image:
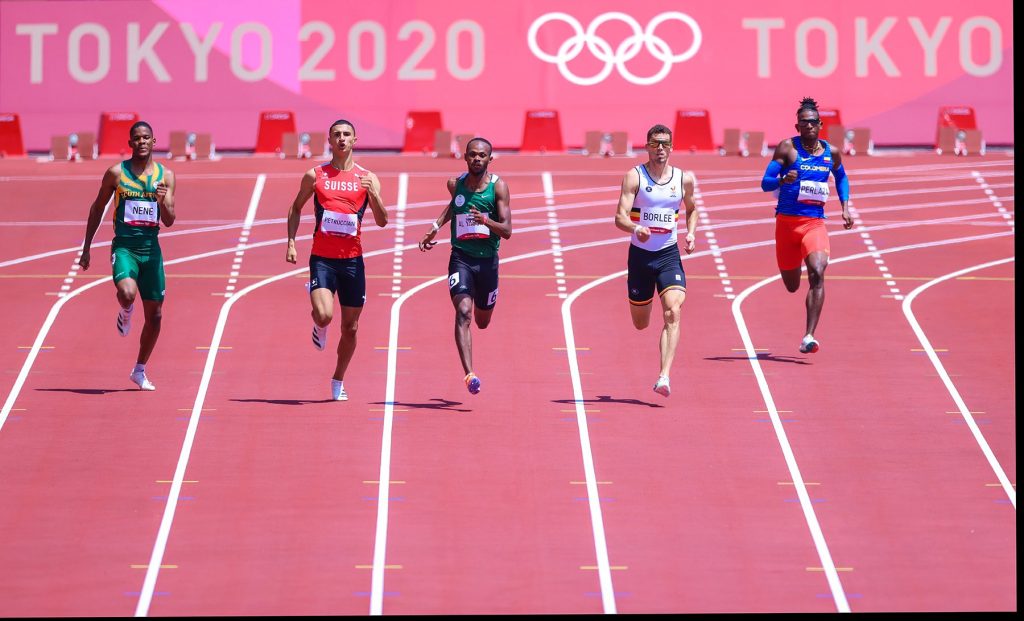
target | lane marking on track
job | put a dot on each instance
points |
(817, 535)
(1011, 493)
(890, 281)
(243, 236)
(709, 234)
(400, 207)
(996, 202)
(554, 234)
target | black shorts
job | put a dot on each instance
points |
(346, 277)
(476, 277)
(647, 269)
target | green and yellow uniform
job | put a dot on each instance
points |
(135, 251)
(475, 240)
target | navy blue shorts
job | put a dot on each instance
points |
(345, 277)
(476, 277)
(649, 269)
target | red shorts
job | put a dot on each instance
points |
(796, 237)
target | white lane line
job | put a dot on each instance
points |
(554, 233)
(869, 243)
(713, 247)
(838, 595)
(74, 263)
(243, 236)
(996, 201)
(396, 268)
(953, 392)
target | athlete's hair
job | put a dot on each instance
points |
(658, 129)
(341, 122)
(490, 148)
(807, 104)
(139, 124)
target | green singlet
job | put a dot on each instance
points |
(474, 239)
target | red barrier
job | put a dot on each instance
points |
(114, 127)
(10, 135)
(828, 116)
(419, 131)
(693, 130)
(542, 131)
(957, 117)
(273, 125)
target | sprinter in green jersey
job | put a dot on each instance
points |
(143, 193)
(481, 218)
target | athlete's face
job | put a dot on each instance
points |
(808, 124)
(659, 147)
(478, 156)
(141, 141)
(342, 138)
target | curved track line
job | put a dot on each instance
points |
(953, 392)
(838, 595)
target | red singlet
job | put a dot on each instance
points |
(340, 203)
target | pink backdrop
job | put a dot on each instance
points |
(211, 66)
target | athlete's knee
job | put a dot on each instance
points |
(672, 315)
(482, 321)
(816, 277)
(349, 328)
(463, 315)
(322, 316)
(126, 295)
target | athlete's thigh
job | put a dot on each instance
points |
(815, 241)
(461, 279)
(152, 282)
(670, 275)
(350, 314)
(485, 284)
(788, 253)
(641, 279)
(352, 283)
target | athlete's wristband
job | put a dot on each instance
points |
(434, 227)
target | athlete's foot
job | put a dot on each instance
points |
(473, 383)
(808, 345)
(661, 386)
(140, 379)
(319, 337)
(338, 390)
(124, 320)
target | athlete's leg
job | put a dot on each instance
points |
(791, 278)
(127, 291)
(816, 264)
(482, 316)
(151, 329)
(323, 306)
(347, 344)
(463, 304)
(641, 315)
(671, 304)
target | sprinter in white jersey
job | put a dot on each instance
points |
(649, 210)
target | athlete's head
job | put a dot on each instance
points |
(478, 155)
(808, 121)
(341, 136)
(659, 143)
(140, 139)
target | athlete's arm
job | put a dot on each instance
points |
(784, 156)
(691, 212)
(503, 224)
(428, 239)
(107, 187)
(842, 187)
(295, 213)
(630, 186)
(165, 198)
(372, 185)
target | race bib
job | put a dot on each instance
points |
(659, 220)
(339, 224)
(140, 213)
(813, 192)
(465, 229)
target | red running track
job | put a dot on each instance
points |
(238, 488)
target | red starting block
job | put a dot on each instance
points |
(420, 128)
(10, 135)
(114, 127)
(693, 130)
(957, 131)
(273, 125)
(542, 131)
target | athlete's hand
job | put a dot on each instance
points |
(85, 259)
(161, 192)
(847, 220)
(291, 255)
(428, 241)
(691, 243)
(477, 217)
(790, 177)
(642, 233)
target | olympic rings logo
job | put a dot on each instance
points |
(602, 50)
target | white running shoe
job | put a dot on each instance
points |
(319, 337)
(661, 386)
(809, 345)
(139, 378)
(338, 391)
(124, 320)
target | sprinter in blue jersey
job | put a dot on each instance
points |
(799, 173)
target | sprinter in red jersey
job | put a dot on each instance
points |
(341, 191)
